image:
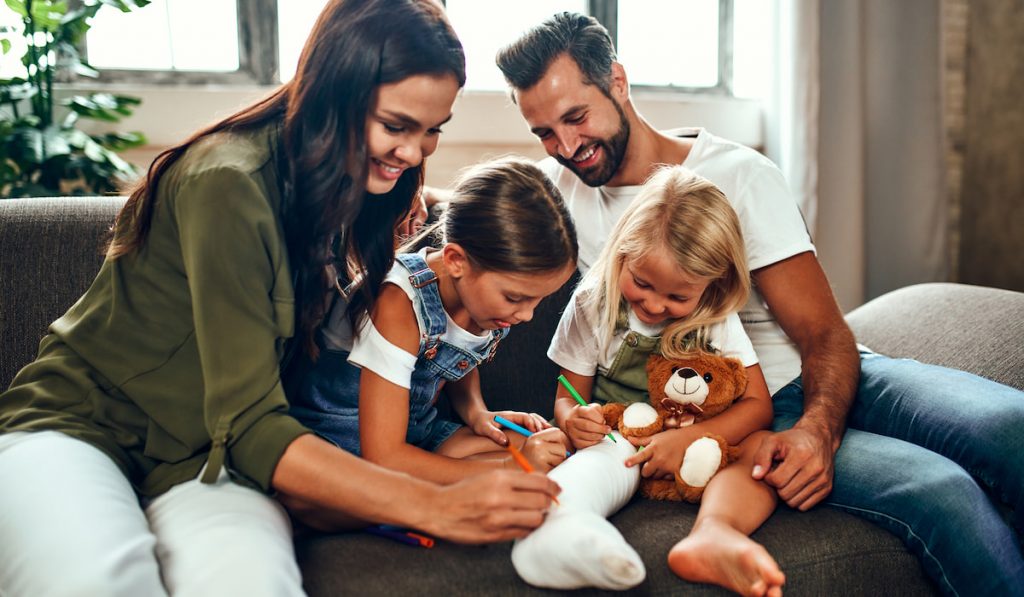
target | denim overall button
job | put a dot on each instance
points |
(462, 364)
(631, 339)
(431, 352)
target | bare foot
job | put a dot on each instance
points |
(719, 554)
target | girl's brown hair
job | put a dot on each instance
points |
(508, 217)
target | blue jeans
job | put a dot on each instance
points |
(928, 454)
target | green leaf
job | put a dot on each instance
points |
(77, 138)
(121, 141)
(30, 142)
(17, 6)
(55, 142)
(125, 5)
(47, 14)
(5, 46)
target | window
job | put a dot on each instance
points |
(666, 44)
(166, 35)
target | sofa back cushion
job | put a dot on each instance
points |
(50, 251)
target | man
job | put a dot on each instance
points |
(902, 462)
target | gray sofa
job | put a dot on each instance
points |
(49, 252)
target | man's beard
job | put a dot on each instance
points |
(613, 148)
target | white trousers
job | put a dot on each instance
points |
(71, 524)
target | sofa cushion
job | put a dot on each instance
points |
(50, 251)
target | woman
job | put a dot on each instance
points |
(139, 449)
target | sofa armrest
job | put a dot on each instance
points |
(971, 328)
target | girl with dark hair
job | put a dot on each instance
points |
(506, 242)
(141, 448)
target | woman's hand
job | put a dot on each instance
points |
(585, 425)
(495, 506)
(482, 423)
(662, 453)
(546, 449)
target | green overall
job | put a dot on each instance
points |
(626, 380)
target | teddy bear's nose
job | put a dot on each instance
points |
(686, 373)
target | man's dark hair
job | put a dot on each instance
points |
(524, 61)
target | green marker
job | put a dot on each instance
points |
(572, 391)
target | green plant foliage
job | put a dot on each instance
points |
(40, 155)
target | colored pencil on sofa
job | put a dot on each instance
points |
(400, 536)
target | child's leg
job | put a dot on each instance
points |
(719, 549)
(576, 546)
(466, 444)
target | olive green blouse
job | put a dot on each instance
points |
(170, 361)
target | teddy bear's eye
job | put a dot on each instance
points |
(707, 377)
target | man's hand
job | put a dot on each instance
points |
(496, 506)
(798, 463)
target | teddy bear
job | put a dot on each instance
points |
(683, 392)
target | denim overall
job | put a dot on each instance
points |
(328, 398)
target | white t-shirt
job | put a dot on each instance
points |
(581, 347)
(372, 351)
(773, 228)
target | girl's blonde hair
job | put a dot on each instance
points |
(688, 218)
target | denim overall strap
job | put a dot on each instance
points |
(434, 322)
(430, 309)
(626, 379)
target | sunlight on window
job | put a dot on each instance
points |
(753, 58)
(295, 20)
(485, 27)
(194, 35)
(667, 42)
(11, 29)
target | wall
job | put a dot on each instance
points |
(485, 124)
(991, 219)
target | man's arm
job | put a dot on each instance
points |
(799, 296)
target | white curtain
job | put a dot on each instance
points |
(791, 103)
(853, 119)
(882, 220)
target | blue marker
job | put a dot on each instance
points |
(500, 420)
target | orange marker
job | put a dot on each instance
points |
(523, 463)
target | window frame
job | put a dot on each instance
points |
(257, 55)
(258, 52)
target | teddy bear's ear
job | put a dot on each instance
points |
(739, 375)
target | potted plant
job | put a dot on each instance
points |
(42, 150)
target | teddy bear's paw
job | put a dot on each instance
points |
(640, 420)
(702, 460)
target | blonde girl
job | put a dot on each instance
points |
(506, 242)
(671, 279)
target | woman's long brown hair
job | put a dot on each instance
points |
(321, 157)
